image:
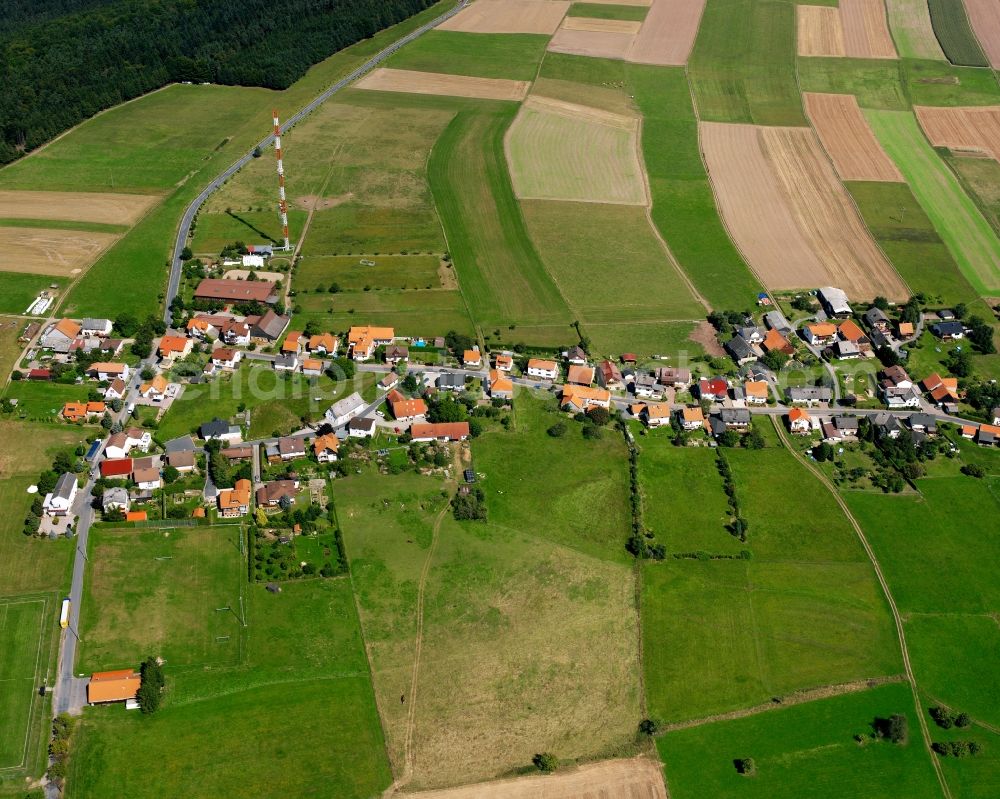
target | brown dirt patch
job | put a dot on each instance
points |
(985, 18)
(50, 252)
(790, 214)
(602, 25)
(310, 202)
(866, 29)
(844, 131)
(820, 32)
(447, 276)
(704, 334)
(413, 82)
(509, 16)
(591, 43)
(975, 129)
(668, 33)
(639, 778)
(75, 206)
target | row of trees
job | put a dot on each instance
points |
(66, 61)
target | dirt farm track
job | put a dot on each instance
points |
(638, 778)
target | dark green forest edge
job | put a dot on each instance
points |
(57, 72)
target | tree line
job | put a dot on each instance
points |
(61, 64)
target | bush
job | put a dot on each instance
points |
(591, 431)
(151, 688)
(650, 726)
(745, 766)
(974, 470)
(545, 762)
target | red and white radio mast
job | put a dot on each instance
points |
(282, 204)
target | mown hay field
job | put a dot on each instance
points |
(910, 23)
(668, 33)
(562, 151)
(116, 209)
(61, 253)
(966, 129)
(415, 82)
(591, 43)
(514, 56)
(848, 139)
(509, 16)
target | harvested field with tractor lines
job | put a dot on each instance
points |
(984, 15)
(599, 25)
(844, 132)
(561, 151)
(410, 81)
(668, 33)
(75, 206)
(810, 233)
(820, 32)
(969, 129)
(857, 29)
(43, 251)
(594, 44)
(910, 23)
(508, 16)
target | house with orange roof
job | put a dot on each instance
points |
(325, 448)
(113, 686)
(580, 375)
(235, 501)
(172, 347)
(323, 344)
(472, 359)
(542, 369)
(756, 392)
(500, 386)
(969, 431)
(103, 370)
(201, 328)
(581, 398)
(226, 357)
(774, 341)
(799, 421)
(988, 435)
(819, 334)
(439, 431)
(154, 389)
(504, 363)
(364, 340)
(692, 418)
(74, 411)
(61, 335)
(312, 367)
(906, 329)
(848, 330)
(292, 341)
(655, 414)
(408, 410)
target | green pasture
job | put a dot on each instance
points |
(877, 82)
(647, 338)
(972, 241)
(215, 231)
(954, 32)
(42, 401)
(605, 11)
(481, 55)
(23, 625)
(911, 28)
(19, 289)
(980, 177)
(804, 750)
(347, 271)
(941, 83)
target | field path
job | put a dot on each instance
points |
(900, 633)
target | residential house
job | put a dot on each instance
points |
(751, 334)
(775, 320)
(741, 350)
(389, 382)
(655, 414)
(364, 340)
(173, 347)
(906, 329)
(849, 331)
(113, 686)
(775, 341)
(323, 344)
(235, 501)
(715, 388)
(103, 370)
(756, 392)
(886, 425)
(363, 427)
(876, 319)
(500, 386)
(61, 335)
(969, 431)
(120, 444)
(217, 429)
(576, 356)
(286, 362)
(312, 367)
(396, 353)
(109, 347)
(236, 290)
(115, 498)
(116, 390)
(846, 350)
(847, 426)
(114, 468)
(59, 501)
(896, 376)
(922, 423)
(834, 302)
(183, 461)
(737, 419)
(147, 479)
(292, 342)
(504, 362)
(609, 376)
(290, 448)
(95, 327)
(581, 398)
(898, 397)
(808, 395)
(342, 411)
(629, 358)
(948, 331)
(325, 448)
(155, 389)
(201, 328)
(673, 376)
(242, 453)
(79, 411)
(580, 375)
(692, 418)
(270, 494)
(450, 381)
(799, 421)
(472, 359)
(226, 358)
(268, 327)
(988, 435)
(441, 431)
(831, 435)
(235, 333)
(820, 334)
(646, 386)
(408, 410)
(542, 369)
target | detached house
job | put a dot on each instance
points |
(101, 328)
(270, 494)
(441, 431)
(741, 350)
(580, 375)
(235, 501)
(172, 347)
(808, 395)
(900, 397)
(500, 386)
(220, 430)
(756, 392)
(580, 398)
(504, 362)
(396, 353)
(109, 371)
(737, 419)
(542, 369)
(948, 331)
(323, 344)
(342, 411)
(363, 341)
(609, 376)
(655, 414)
(716, 388)
(226, 358)
(799, 421)
(876, 319)
(692, 418)
(774, 341)
(59, 502)
(673, 376)
(154, 390)
(409, 410)
(472, 359)
(116, 390)
(576, 356)
(325, 448)
(819, 334)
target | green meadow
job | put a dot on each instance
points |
(481, 55)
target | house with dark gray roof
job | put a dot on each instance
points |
(808, 395)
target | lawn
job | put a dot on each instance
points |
(19, 289)
(907, 236)
(42, 401)
(743, 64)
(645, 338)
(510, 620)
(954, 32)
(972, 241)
(805, 750)
(501, 274)
(159, 592)
(482, 55)
(23, 625)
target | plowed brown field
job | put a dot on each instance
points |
(789, 213)
(639, 778)
(50, 252)
(668, 33)
(590, 43)
(509, 16)
(848, 139)
(985, 18)
(75, 206)
(866, 29)
(819, 31)
(975, 129)
(413, 82)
